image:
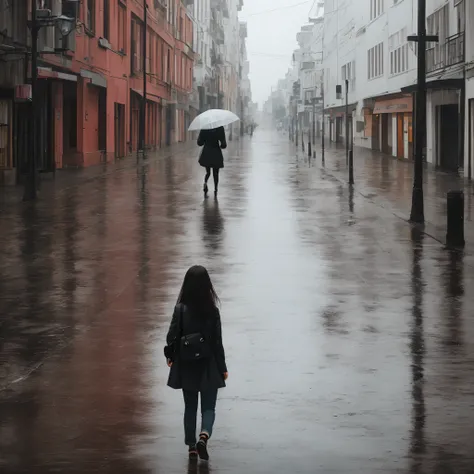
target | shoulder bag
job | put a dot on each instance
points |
(195, 346)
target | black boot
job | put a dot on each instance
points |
(202, 447)
(193, 454)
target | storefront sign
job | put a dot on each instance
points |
(400, 105)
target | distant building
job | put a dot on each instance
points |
(365, 45)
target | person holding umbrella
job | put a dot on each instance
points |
(214, 142)
(212, 138)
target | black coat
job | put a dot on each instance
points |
(201, 374)
(213, 141)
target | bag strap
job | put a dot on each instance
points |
(180, 321)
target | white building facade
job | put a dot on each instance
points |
(209, 38)
(365, 50)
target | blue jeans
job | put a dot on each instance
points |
(208, 413)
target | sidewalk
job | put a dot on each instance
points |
(388, 182)
(52, 186)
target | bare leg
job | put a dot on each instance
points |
(215, 174)
(206, 179)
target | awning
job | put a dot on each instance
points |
(96, 79)
(437, 84)
(47, 73)
(341, 109)
(149, 96)
(390, 106)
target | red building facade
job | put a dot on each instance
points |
(109, 64)
(91, 92)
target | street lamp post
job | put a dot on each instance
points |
(347, 121)
(65, 25)
(31, 183)
(323, 124)
(296, 124)
(314, 126)
(417, 206)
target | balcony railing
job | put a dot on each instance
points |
(217, 32)
(447, 54)
(220, 5)
(216, 59)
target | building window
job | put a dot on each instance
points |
(106, 14)
(375, 61)
(460, 15)
(398, 46)
(437, 24)
(348, 72)
(307, 65)
(122, 27)
(376, 8)
(183, 72)
(135, 46)
(90, 15)
(166, 64)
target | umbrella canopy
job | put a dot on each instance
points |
(213, 118)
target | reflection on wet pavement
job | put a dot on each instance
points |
(349, 335)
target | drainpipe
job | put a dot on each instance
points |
(142, 139)
(31, 182)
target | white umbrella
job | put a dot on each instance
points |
(213, 118)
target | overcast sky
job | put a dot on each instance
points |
(272, 40)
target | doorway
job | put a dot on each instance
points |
(168, 126)
(6, 134)
(400, 136)
(102, 128)
(119, 130)
(69, 122)
(375, 132)
(387, 134)
(135, 107)
(448, 133)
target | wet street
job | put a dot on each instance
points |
(349, 335)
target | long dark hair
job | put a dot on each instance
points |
(197, 292)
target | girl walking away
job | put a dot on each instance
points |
(211, 157)
(195, 353)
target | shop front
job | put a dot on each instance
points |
(392, 130)
(337, 122)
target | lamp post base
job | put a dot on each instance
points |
(417, 215)
(31, 191)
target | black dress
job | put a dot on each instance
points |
(204, 374)
(213, 142)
